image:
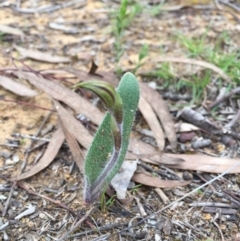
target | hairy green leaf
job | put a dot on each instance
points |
(110, 144)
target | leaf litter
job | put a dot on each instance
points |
(167, 164)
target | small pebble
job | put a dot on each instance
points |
(42, 216)
(157, 237)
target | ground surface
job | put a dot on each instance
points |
(88, 35)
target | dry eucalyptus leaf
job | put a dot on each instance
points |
(205, 163)
(10, 30)
(61, 93)
(74, 147)
(75, 127)
(41, 56)
(49, 155)
(157, 182)
(16, 87)
(153, 122)
(148, 153)
(161, 109)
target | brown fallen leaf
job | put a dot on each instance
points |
(74, 147)
(161, 109)
(10, 30)
(41, 56)
(74, 127)
(16, 87)
(157, 182)
(205, 163)
(61, 93)
(147, 153)
(49, 155)
(152, 121)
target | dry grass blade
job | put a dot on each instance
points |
(74, 147)
(153, 122)
(161, 109)
(49, 155)
(205, 163)
(69, 97)
(156, 182)
(74, 126)
(16, 87)
(195, 62)
(40, 56)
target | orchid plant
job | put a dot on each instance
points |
(108, 149)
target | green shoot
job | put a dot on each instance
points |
(197, 84)
(142, 54)
(108, 149)
(122, 18)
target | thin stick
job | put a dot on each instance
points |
(76, 225)
(225, 97)
(32, 141)
(233, 121)
(183, 197)
(8, 200)
(200, 187)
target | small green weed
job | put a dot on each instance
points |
(195, 47)
(163, 73)
(135, 188)
(104, 205)
(197, 84)
(156, 10)
(1, 36)
(121, 20)
(142, 54)
(227, 61)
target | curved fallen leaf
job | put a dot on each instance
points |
(205, 163)
(16, 87)
(157, 182)
(49, 155)
(161, 109)
(153, 122)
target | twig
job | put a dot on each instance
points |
(8, 200)
(219, 229)
(32, 141)
(47, 8)
(162, 195)
(76, 225)
(34, 138)
(23, 186)
(104, 228)
(140, 207)
(229, 4)
(225, 97)
(233, 121)
(212, 204)
(183, 197)
(200, 187)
